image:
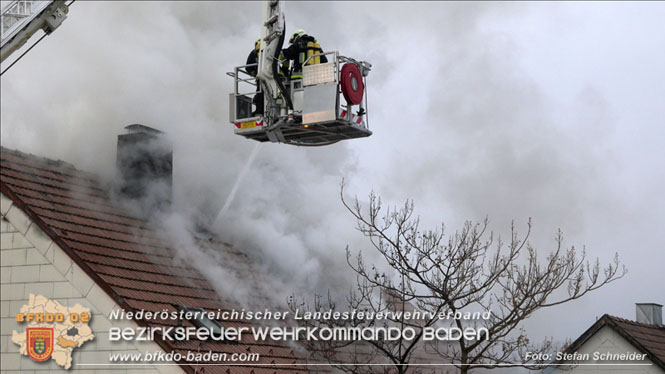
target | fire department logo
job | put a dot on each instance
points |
(40, 343)
(53, 330)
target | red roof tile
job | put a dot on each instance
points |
(650, 338)
(124, 255)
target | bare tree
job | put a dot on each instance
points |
(453, 275)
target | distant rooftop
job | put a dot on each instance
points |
(649, 339)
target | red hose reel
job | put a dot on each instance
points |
(352, 84)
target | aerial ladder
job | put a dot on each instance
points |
(22, 18)
(316, 110)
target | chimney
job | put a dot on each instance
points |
(145, 167)
(649, 313)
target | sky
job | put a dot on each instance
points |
(541, 110)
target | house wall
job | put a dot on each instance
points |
(32, 263)
(608, 340)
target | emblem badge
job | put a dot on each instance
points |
(40, 343)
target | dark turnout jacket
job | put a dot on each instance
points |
(253, 58)
(297, 52)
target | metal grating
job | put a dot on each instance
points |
(318, 74)
(17, 11)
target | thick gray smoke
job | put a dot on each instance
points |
(479, 109)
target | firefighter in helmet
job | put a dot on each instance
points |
(302, 46)
(252, 59)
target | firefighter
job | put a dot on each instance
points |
(253, 58)
(301, 46)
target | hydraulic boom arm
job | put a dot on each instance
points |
(272, 39)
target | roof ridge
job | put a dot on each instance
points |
(635, 323)
(49, 161)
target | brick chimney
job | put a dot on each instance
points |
(145, 167)
(649, 313)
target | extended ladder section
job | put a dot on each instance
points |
(21, 19)
(329, 104)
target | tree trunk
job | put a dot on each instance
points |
(464, 369)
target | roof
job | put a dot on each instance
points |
(128, 258)
(649, 339)
(142, 128)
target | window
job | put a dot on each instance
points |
(200, 319)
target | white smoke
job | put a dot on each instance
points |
(505, 110)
